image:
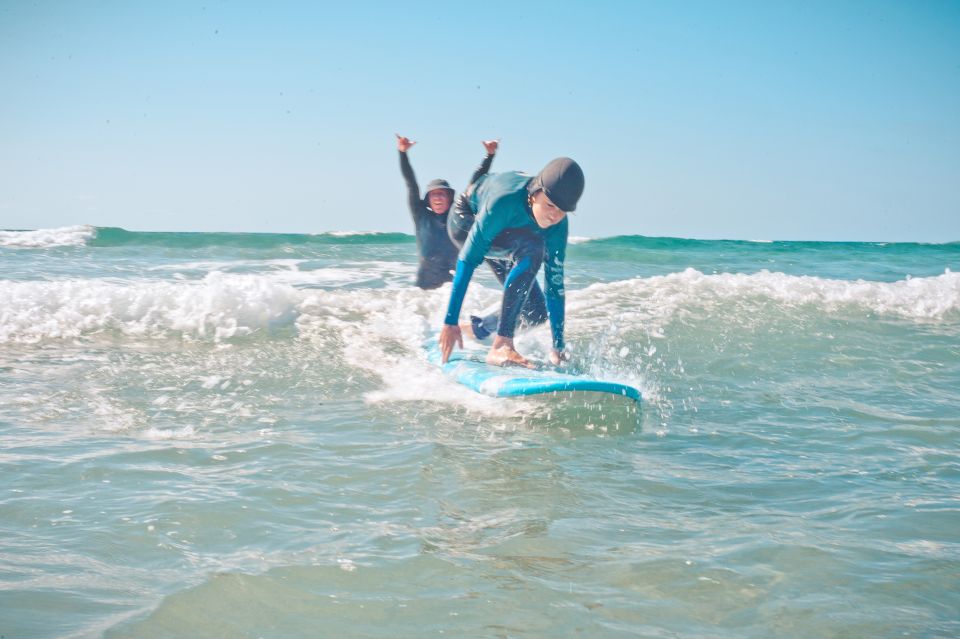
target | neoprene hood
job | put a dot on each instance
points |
(438, 184)
(562, 180)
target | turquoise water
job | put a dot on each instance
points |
(237, 435)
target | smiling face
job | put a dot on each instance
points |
(545, 212)
(439, 201)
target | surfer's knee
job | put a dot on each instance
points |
(483, 327)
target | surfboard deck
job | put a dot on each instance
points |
(470, 369)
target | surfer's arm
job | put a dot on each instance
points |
(461, 280)
(554, 289)
(484, 168)
(487, 225)
(450, 334)
(414, 201)
(475, 247)
(556, 307)
(471, 255)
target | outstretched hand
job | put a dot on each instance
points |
(403, 143)
(491, 146)
(450, 335)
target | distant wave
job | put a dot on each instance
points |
(356, 233)
(121, 237)
(654, 241)
(48, 238)
(87, 235)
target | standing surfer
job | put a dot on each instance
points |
(437, 254)
(522, 223)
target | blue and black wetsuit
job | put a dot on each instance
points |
(492, 221)
(437, 254)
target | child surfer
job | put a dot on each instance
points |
(522, 223)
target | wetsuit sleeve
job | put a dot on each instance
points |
(414, 201)
(555, 292)
(461, 280)
(483, 169)
(486, 227)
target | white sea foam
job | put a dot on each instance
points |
(218, 307)
(48, 238)
(226, 305)
(919, 298)
(295, 272)
(354, 233)
(382, 332)
(231, 265)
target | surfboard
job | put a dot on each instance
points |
(470, 369)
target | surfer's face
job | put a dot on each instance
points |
(439, 200)
(545, 212)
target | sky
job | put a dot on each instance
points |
(822, 120)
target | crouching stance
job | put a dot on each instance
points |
(520, 224)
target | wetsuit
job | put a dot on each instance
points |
(436, 253)
(493, 221)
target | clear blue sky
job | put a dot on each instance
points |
(747, 120)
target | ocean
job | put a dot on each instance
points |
(239, 435)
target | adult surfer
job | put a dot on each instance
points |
(521, 222)
(437, 254)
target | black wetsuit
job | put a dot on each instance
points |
(437, 254)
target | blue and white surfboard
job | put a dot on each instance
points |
(470, 369)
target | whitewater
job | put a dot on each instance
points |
(230, 434)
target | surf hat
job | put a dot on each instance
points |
(562, 180)
(438, 184)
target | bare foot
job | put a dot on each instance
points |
(467, 329)
(502, 353)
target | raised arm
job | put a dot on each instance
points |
(413, 191)
(491, 147)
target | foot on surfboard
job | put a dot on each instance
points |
(507, 356)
